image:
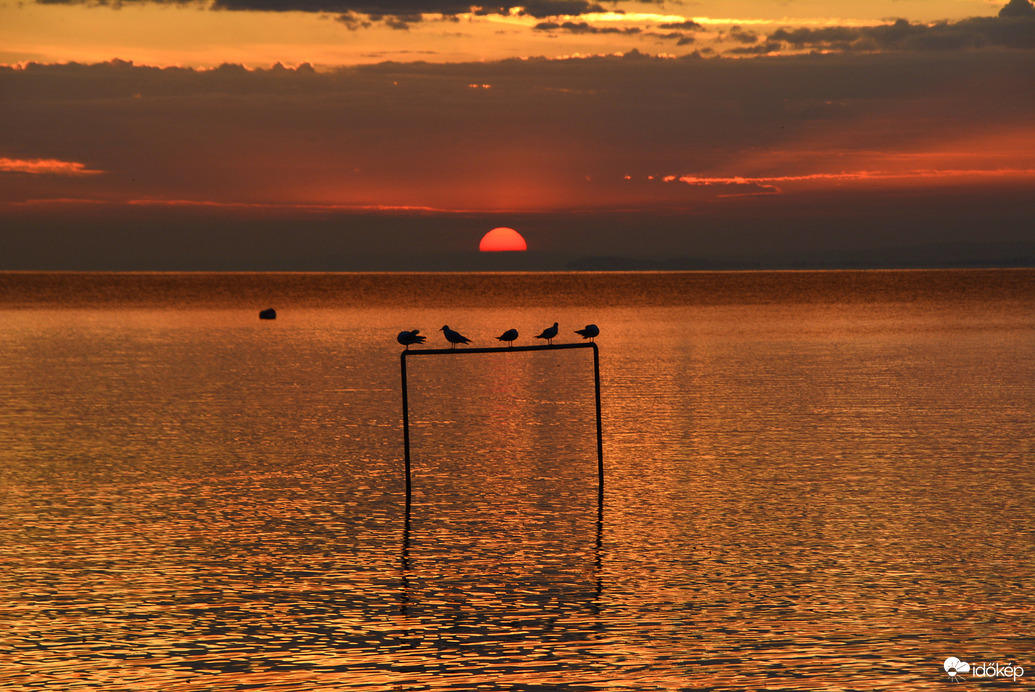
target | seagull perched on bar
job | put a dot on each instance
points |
(407, 338)
(549, 333)
(509, 336)
(454, 338)
(590, 332)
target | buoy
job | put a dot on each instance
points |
(268, 314)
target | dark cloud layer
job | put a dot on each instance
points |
(401, 10)
(1013, 29)
(902, 35)
(1018, 8)
(670, 114)
(202, 160)
(688, 25)
(584, 28)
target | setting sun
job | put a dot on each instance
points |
(502, 239)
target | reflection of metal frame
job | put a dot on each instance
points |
(598, 562)
(500, 349)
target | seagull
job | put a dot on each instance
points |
(549, 333)
(406, 338)
(454, 337)
(590, 332)
(509, 336)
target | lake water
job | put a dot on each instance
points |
(813, 481)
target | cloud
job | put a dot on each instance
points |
(398, 13)
(1011, 30)
(740, 35)
(771, 184)
(540, 9)
(353, 21)
(679, 37)
(416, 135)
(584, 28)
(688, 25)
(766, 48)
(1018, 8)
(45, 167)
(326, 169)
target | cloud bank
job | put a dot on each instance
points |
(544, 133)
(928, 144)
(376, 9)
(1011, 30)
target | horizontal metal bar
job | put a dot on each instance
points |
(494, 349)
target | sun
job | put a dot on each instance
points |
(502, 239)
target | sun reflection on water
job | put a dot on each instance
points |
(798, 496)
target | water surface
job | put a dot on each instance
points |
(814, 480)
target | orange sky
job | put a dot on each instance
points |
(611, 111)
(187, 34)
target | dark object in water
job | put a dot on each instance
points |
(268, 314)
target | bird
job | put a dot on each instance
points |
(590, 332)
(454, 338)
(407, 338)
(549, 333)
(509, 336)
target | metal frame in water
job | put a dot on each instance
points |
(501, 349)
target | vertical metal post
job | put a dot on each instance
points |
(598, 562)
(406, 429)
(600, 432)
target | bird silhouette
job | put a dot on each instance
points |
(590, 332)
(509, 336)
(407, 338)
(549, 333)
(454, 338)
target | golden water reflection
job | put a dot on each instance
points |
(798, 496)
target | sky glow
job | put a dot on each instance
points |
(634, 115)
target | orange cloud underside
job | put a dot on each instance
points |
(45, 167)
(977, 159)
(891, 177)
